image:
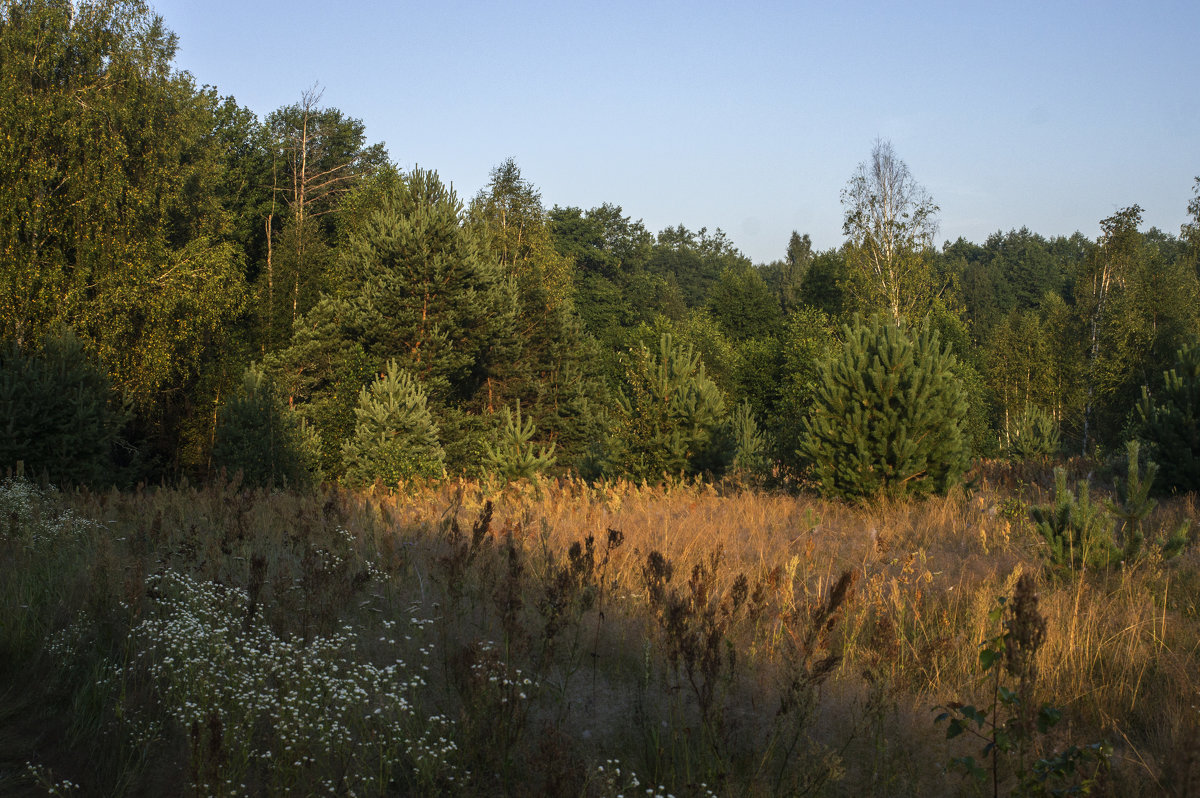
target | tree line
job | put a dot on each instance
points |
(185, 287)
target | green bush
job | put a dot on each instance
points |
(58, 413)
(270, 444)
(395, 437)
(1169, 423)
(888, 415)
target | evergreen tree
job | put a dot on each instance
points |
(425, 295)
(395, 437)
(1168, 421)
(512, 453)
(670, 417)
(258, 435)
(550, 371)
(888, 416)
(58, 413)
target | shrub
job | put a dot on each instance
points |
(887, 416)
(1169, 424)
(395, 437)
(270, 444)
(58, 413)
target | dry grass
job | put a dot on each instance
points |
(746, 673)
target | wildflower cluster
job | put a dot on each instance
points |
(261, 709)
(33, 518)
(613, 782)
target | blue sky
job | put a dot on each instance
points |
(1050, 115)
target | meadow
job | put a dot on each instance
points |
(557, 638)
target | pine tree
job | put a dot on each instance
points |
(669, 418)
(888, 415)
(1169, 423)
(58, 414)
(425, 294)
(395, 437)
(258, 435)
(513, 454)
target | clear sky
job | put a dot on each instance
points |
(748, 117)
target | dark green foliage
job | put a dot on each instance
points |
(1077, 530)
(887, 416)
(1135, 506)
(750, 444)
(512, 454)
(395, 437)
(1033, 434)
(743, 304)
(258, 435)
(1169, 423)
(424, 294)
(58, 413)
(669, 418)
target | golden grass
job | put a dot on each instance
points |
(1121, 657)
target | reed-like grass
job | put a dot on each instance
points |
(532, 639)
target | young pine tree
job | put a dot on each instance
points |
(1169, 422)
(58, 414)
(669, 420)
(888, 415)
(395, 437)
(268, 442)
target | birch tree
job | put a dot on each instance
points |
(890, 222)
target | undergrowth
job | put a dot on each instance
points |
(555, 638)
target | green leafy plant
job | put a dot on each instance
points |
(1012, 731)
(395, 437)
(270, 444)
(512, 454)
(888, 415)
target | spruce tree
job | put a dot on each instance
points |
(888, 415)
(395, 437)
(258, 435)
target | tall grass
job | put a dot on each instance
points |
(554, 638)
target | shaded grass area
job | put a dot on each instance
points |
(559, 639)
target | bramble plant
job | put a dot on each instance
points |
(888, 415)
